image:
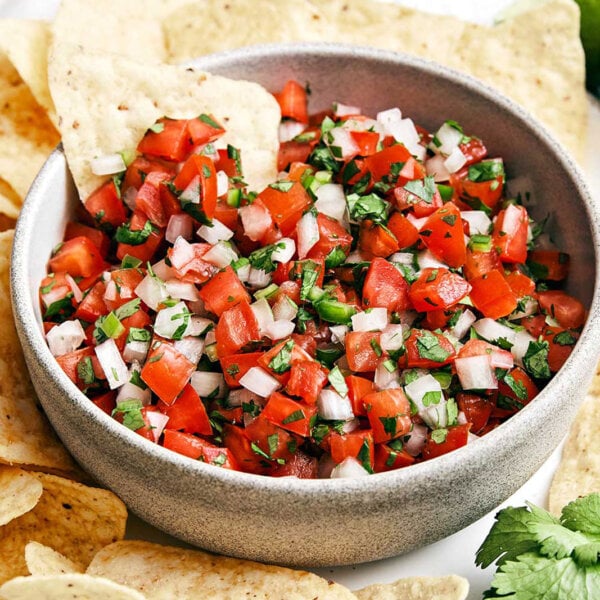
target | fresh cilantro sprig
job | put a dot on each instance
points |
(541, 556)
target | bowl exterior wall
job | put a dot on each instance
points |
(319, 523)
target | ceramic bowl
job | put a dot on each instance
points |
(343, 521)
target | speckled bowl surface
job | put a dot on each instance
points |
(327, 522)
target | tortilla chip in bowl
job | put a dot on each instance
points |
(325, 522)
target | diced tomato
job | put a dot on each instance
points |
(477, 410)
(491, 294)
(292, 152)
(299, 465)
(148, 199)
(427, 350)
(105, 205)
(405, 232)
(285, 203)
(188, 264)
(144, 251)
(332, 235)
(480, 263)
(79, 257)
(388, 459)
(437, 289)
(534, 324)
(141, 167)
(187, 413)
(358, 388)
(227, 215)
(230, 162)
(223, 291)
(166, 371)
(499, 357)
(235, 366)
(204, 129)
(357, 444)
(237, 327)
(566, 309)
(200, 167)
(376, 240)
(239, 445)
(366, 141)
(363, 350)
(443, 234)
(96, 236)
(421, 207)
(106, 402)
(478, 195)
(124, 282)
(70, 362)
(388, 412)
(293, 101)
(199, 449)
(549, 265)
(168, 139)
(510, 234)
(381, 163)
(307, 379)
(561, 343)
(93, 306)
(522, 389)
(456, 437)
(385, 287)
(289, 414)
(520, 284)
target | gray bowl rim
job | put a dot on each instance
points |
(460, 462)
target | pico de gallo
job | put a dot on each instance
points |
(386, 300)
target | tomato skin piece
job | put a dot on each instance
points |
(166, 371)
(172, 143)
(199, 449)
(79, 257)
(477, 410)
(187, 413)
(293, 101)
(223, 291)
(105, 206)
(360, 350)
(235, 366)
(385, 287)
(237, 327)
(456, 438)
(203, 132)
(491, 294)
(376, 240)
(412, 356)
(286, 207)
(307, 379)
(443, 234)
(566, 309)
(437, 289)
(203, 167)
(388, 412)
(510, 234)
(387, 459)
(357, 444)
(405, 232)
(288, 414)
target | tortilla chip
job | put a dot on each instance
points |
(19, 493)
(77, 519)
(26, 438)
(27, 134)
(66, 587)
(535, 57)
(26, 42)
(42, 560)
(579, 470)
(168, 572)
(450, 587)
(106, 103)
(10, 202)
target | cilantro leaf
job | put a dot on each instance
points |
(486, 170)
(535, 360)
(429, 347)
(424, 189)
(126, 235)
(281, 362)
(263, 257)
(583, 514)
(368, 207)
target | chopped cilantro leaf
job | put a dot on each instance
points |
(535, 360)
(125, 235)
(439, 435)
(281, 362)
(428, 346)
(424, 189)
(338, 381)
(85, 371)
(297, 415)
(486, 170)
(263, 257)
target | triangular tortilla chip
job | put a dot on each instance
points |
(106, 103)
(43, 560)
(19, 493)
(450, 587)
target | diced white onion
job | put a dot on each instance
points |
(389, 118)
(199, 325)
(129, 197)
(285, 309)
(136, 351)
(258, 278)
(220, 255)
(476, 373)
(216, 233)
(530, 307)
(179, 225)
(191, 347)
(256, 220)
(375, 319)
(417, 389)
(289, 129)
(210, 337)
(331, 201)
(436, 415)
(338, 333)
(479, 222)
(205, 383)
(521, 343)
(280, 329)
(240, 396)
(449, 138)
(172, 320)
(455, 161)
(416, 440)
(392, 337)
(284, 253)
(77, 293)
(263, 313)
(513, 216)
(180, 290)
(65, 337)
(384, 379)
(222, 183)
(345, 110)
(418, 223)
(130, 391)
(110, 291)
(363, 124)
(157, 421)
(355, 257)
(243, 272)
(435, 166)
(427, 260)
(192, 192)
(463, 324)
(112, 363)
(342, 139)
(402, 258)
(164, 271)
(348, 468)
(492, 331)
(333, 407)
(260, 382)
(109, 164)
(307, 231)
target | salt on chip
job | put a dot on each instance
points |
(168, 572)
(26, 437)
(66, 587)
(77, 519)
(42, 560)
(579, 471)
(25, 42)
(27, 133)
(19, 493)
(450, 587)
(536, 57)
(106, 103)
